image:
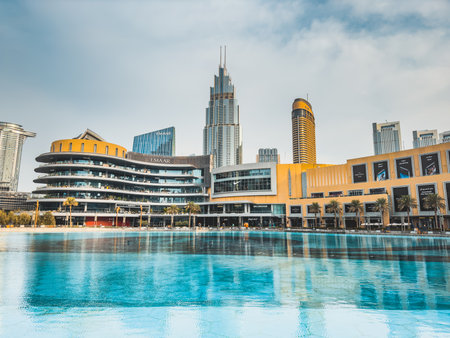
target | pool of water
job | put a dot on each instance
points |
(223, 284)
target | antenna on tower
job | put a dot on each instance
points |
(225, 58)
(220, 64)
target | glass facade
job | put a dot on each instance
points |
(243, 180)
(267, 155)
(386, 137)
(222, 135)
(160, 142)
(12, 137)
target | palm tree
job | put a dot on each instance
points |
(70, 202)
(192, 208)
(406, 202)
(315, 209)
(357, 207)
(381, 205)
(172, 211)
(334, 207)
(435, 202)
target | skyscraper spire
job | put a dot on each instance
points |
(222, 135)
(225, 58)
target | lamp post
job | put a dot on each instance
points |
(36, 213)
(117, 215)
(140, 219)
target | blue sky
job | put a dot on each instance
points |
(122, 68)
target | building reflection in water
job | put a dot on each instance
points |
(235, 269)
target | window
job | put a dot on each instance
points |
(296, 209)
(123, 153)
(60, 147)
(359, 173)
(335, 193)
(317, 195)
(106, 150)
(117, 152)
(53, 148)
(376, 191)
(95, 148)
(82, 147)
(355, 192)
(70, 146)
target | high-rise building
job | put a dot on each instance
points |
(303, 132)
(159, 142)
(424, 138)
(222, 135)
(268, 155)
(386, 137)
(444, 137)
(12, 137)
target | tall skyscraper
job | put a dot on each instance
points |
(12, 137)
(222, 135)
(159, 142)
(423, 138)
(303, 132)
(386, 137)
(268, 155)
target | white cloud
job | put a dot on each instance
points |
(124, 68)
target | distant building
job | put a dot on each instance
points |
(268, 155)
(424, 138)
(11, 201)
(12, 137)
(222, 134)
(444, 137)
(386, 137)
(159, 142)
(303, 132)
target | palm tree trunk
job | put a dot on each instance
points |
(189, 219)
(409, 221)
(70, 216)
(436, 219)
(335, 221)
(171, 221)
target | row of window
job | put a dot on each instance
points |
(251, 184)
(422, 191)
(107, 164)
(243, 173)
(95, 149)
(430, 164)
(355, 192)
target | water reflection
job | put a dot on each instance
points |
(306, 277)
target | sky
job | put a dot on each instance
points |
(125, 67)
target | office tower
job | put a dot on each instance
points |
(222, 135)
(268, 155)
(303, 132)
(159, 142)
(424, 138)
(386, 137)
(444, 137)
(12, 137)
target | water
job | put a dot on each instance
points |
(223, 285)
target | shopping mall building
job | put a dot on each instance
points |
(110, 183)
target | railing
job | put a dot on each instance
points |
(129, 169)
(102, 188)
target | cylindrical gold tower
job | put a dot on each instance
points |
(303, 132)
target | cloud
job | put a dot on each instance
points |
(123, 68)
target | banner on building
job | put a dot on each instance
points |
(404, 167)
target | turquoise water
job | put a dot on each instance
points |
(223, 285)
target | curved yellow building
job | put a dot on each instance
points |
(303, 132)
